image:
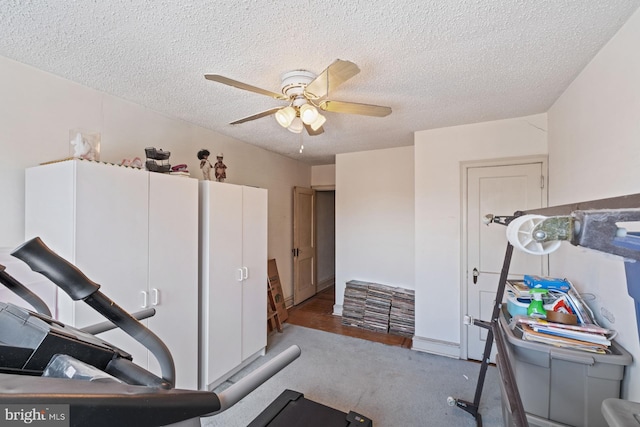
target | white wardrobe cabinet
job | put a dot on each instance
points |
(233, 283)
(136, 234)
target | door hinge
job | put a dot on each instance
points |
(541, 181)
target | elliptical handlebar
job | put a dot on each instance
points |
(40, 258)
(157, 402)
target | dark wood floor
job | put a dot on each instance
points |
(316, 313)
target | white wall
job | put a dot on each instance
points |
(374, 219)
(37, 110)
(323, 176)
(594, 153)
(438, 157)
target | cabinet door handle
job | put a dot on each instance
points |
(245, 274)
(156, 296)
(239, 279)
(144, 299)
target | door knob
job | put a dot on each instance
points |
(476, 273)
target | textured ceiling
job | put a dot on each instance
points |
(436, 63)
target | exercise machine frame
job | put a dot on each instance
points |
(598, 231)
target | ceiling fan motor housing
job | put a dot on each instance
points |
(294, 82)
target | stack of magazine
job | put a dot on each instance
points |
(562, 296)
(585, 337)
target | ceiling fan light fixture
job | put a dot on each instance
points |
(308, 114)
(306, 94)
(318, 122)
(296, 125)
(285, 116)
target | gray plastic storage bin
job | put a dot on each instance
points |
(533, 421)
(621, 413)
(563, 386)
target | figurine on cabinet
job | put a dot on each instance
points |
(205, 165)
(84, 145)
(220, 168)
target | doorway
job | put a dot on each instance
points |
(498, 188)
(313, 242)
(326, 238)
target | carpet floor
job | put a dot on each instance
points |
(391, 385)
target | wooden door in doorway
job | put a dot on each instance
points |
(304, 244)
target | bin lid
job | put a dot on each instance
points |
(621, 413)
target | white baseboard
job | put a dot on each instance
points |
(337, 309)
(288, 302)
(442, 348)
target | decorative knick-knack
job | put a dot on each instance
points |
(220, 168)
(205, 165)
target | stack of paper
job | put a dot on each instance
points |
(402, 315)
(355, 295)
(519, 289)
(377, 308)
(585, 337)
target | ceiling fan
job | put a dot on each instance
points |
(306, 93)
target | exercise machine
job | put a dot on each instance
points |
(61, 372)
(53, 369)
(597, 225)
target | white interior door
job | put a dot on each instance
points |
(498, 190)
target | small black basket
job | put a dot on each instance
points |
(153, 153)
(154, 167)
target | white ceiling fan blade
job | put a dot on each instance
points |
(256, 116)
(230, 82)
(355, 108)
(333, 76)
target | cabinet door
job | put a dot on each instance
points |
(173, 272)
(111, 245)
(222, 284)
(95, 216)
(254, 261)
(50, 206)
(49, 214)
